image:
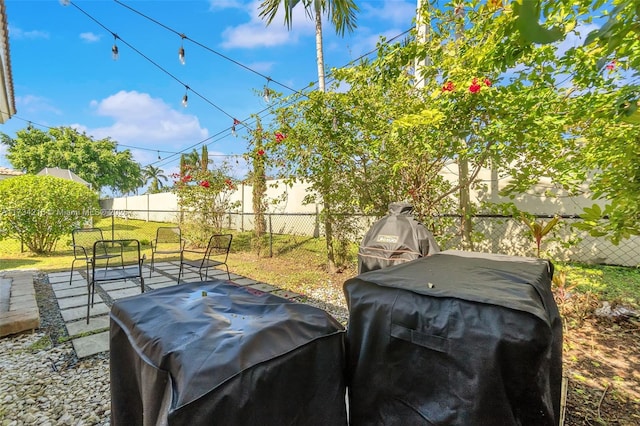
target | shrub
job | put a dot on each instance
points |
(40, 209)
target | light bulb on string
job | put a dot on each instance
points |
(159, 158)
(233, 127)
(185, 98)
(114, 48)
(181, 50)
(266, 94)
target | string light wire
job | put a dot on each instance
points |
(160, 67)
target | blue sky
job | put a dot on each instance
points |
(64, 74)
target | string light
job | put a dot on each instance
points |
(185, 98)
(114, 48)
(267, 92)
(159, 158)
(181, 50)
(233, 127)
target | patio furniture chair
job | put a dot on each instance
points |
(168, 241)
(83, 240)
(100, 271)
(215, 255)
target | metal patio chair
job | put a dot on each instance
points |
(127, 270)
(83, 240)
(215, 255)
(168, 241)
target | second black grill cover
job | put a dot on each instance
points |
(229, 356)
(455, 339)
(396, 238)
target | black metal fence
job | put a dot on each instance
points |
(286, 232)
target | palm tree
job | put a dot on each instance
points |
(156, 176)
(341, 12)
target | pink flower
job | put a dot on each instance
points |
(475, 87)
(448, 87)
(204, 184)
(487, 82)
(279, 137)
(611, 65)
(261, 152)
(186, 178)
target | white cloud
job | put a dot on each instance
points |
(256, 33)
(90, 37)
(34, 104)
(225, 4)
(16, 33)
(261, 66)
(397, 12)
(140, 120)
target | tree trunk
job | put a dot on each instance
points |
(319, 50)
(465, 204)
(328, 226)
(259, 185)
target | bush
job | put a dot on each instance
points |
(40, 209)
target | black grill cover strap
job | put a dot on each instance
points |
(429, 341)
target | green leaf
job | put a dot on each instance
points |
(527, 23)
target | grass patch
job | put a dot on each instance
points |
(41, 344)
(298, 262)
(613, 283)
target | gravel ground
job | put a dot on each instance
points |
(43, 383)
(41, 380)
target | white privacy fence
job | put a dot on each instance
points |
(287, 215)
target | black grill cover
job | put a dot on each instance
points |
(233, 357)
(455, 338)
(394, 239)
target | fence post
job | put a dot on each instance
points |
(270, 237)
(113, 225)
(242, 209)
(316, 228)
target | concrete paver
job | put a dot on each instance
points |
(80, 327)
(124, 292)
(118, 285)
(73, 314)
(72, 302)
(245, 281)
(267, 288)
(20, 312)
(91, 345)
(93, 338)
(70, 292)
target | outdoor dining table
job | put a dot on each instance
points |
(216, 352)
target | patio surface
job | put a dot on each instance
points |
(90, 339)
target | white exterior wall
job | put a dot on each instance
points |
(293, 217)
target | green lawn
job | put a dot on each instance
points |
(298, 262)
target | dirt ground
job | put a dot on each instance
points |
(602, 364)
